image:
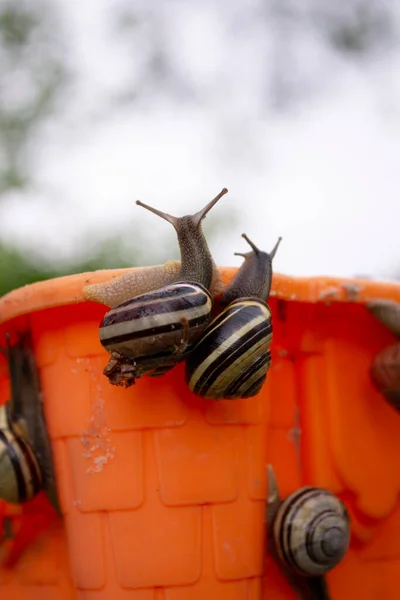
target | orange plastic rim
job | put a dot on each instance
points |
(68, 290)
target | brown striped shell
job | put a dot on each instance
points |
(20, 474)
(155, 331)
(311, 531)
(388, 313)
(385, 373)
(232, 358)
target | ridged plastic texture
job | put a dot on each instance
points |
(34, 561)
(163, 494)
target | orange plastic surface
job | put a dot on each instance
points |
(34, 561)
(163, 494)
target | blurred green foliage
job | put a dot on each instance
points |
(18, 268)
(129, 247)
(32, 54)
(31, 58)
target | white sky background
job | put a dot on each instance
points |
(325, 175)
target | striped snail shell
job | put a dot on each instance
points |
(20, 474)
(232, 358)
(311, 531)
(150, 333)
(388, 313)
(385, 373)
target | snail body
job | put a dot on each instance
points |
(141, 280)
(20, 474)
(311, 531)
(151, 332)
(232, 358)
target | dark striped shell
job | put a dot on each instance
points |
(311, 531)
(20, 475)
(147, 330)
(232, 358)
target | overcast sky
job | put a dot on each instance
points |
(324, 175)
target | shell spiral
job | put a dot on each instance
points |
(311, 531)
(20, 474)
(232, 358)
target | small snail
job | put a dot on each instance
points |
(232, 357)
(151, 332)
(26, 459)
(385, 368)
(310, 529)
(388, 313)
(385, 373)
(20, 475)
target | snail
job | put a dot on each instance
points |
(385, 373)
(20, 474)
(26, 459)
(232, 357)
(310, 529)
(385, 367)
(388, 313)
(151, 332)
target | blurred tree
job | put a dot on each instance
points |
(34, 58)
(359, 28)
(18, 268)
(34, 53)
(280, 30)
(30, 60)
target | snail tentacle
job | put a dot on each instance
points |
(143, 332)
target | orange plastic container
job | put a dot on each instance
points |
(163, 494)
(34, 561)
